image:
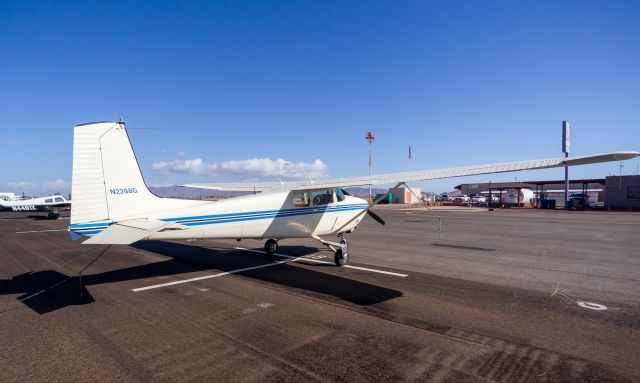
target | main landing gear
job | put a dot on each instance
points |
(340, 249)
(271, 246)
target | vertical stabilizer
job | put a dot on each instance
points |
(106, 181)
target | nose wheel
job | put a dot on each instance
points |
(340, 250)
(271, 246)
(341, 257)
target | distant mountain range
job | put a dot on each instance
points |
(192, 193)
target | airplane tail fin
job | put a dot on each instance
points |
(107, 184)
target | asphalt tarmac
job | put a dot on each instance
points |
(443, 295)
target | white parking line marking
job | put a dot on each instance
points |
(288, 259)
(304, 258)
(208, 276)
(377, 271)
(40, 231)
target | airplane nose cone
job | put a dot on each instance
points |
(357, 200)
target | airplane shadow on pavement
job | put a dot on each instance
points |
(48, 290)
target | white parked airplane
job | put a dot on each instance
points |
(113, 205)
(49, 203)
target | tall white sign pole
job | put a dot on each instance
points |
(566, 146)
(370, 137)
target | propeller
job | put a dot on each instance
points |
(371, 214)
(375, 216)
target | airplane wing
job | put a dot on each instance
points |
(128, 232)
(242, 186)
(423, 175)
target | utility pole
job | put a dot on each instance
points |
(566, 145)
(370, 137)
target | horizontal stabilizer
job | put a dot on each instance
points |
(128, 232)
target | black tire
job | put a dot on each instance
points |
(271, 246)
(340, 259)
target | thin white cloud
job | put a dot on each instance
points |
(180, 154)
(55, 185)
(163, 150)
(254, 168)
(21, 185)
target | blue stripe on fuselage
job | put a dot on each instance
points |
(257, 217)
(197, 217)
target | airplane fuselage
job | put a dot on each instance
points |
(48, 203)
(266, 215)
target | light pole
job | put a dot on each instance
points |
(620, 176)
(490, 198)
(370, 137)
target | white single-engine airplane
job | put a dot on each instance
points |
(49, 203)
(112, 204)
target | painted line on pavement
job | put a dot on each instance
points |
(40, 231)
(288, 259)
(302, 258)
(208, 276)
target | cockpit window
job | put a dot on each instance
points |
(339, 194)
(50, 200)
(322, 197)
(59, 199)
(301, 200)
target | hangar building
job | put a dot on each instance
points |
(614, 192)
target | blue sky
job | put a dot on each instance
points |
(205, 83)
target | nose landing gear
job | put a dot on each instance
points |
(341, 257)
(340, 250)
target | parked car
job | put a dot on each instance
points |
(578, 200)
(478, 199)
(461, 200)
(444, 198)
